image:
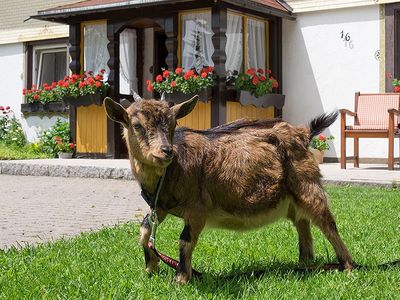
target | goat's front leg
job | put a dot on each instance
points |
(150, 258)
(187, 242)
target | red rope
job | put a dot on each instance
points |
(169, 260)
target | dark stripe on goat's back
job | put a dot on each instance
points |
(235, 126)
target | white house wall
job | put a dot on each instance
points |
(12, 83)
(321, 72)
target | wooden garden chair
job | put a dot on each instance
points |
(375, 116)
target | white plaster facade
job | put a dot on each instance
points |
(321, 71)
(12, 63)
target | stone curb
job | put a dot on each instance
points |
(9, 168)
(26, 169)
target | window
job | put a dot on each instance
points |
(249, 35)
(95, 52)
(255, 44)
(234, 44)
(128, 56)
(197, 46)
(50, 63)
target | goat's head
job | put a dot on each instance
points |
(149, 127)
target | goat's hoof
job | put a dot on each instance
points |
(346, 266)
(182, 278)
(152, 267)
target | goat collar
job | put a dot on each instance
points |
(150, 199)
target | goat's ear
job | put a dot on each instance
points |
(116, 112)
(183, 109)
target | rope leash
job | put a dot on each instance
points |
(153, 221)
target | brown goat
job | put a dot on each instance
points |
(240, 176)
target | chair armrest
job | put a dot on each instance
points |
(347, 112)
(393, 111)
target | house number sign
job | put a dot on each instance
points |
(345, 37)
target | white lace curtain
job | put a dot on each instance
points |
(234, 44)
(197, 46)
(95, 52)
(255, 44)
(128, 57)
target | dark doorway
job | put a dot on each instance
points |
(160, 52)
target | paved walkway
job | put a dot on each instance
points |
(35, 209)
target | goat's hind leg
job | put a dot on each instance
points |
(151, 260)
(315, 204)
(303, 227)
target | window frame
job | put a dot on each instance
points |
(29, 57)
(54, 48)
(245, 17)
(180, 27)
(82, 40)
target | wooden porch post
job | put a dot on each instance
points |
(113, 129)
(275, 50)
(219, 25)
(75, 67)
(171, 31)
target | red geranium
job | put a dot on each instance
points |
(150, 88)
(322, 137)
(251, 72)
(180, 81)
(255, 80)
(166, 74)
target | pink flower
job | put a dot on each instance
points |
(1, 107)
(7, 107)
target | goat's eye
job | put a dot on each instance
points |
(137, 126)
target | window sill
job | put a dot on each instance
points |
(54, 107)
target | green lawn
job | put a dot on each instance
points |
(8, 152)
(109, 264)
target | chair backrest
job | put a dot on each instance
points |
(372, 109)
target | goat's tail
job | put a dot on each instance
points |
(322, 122)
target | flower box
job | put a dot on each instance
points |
(37, 107)
(87, 100)
(277, 100)
(179, 97)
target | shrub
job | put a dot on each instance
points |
(11, 132)
(48, 140)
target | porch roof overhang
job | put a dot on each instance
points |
(60, 14)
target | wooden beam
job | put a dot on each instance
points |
(171, 31)
(75, 47)
(219, 26)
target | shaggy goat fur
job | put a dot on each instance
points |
(240, 176)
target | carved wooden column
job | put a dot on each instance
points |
(114, 140)
(171, 31)
(75, 66)
(275, 50)
(219, 25)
